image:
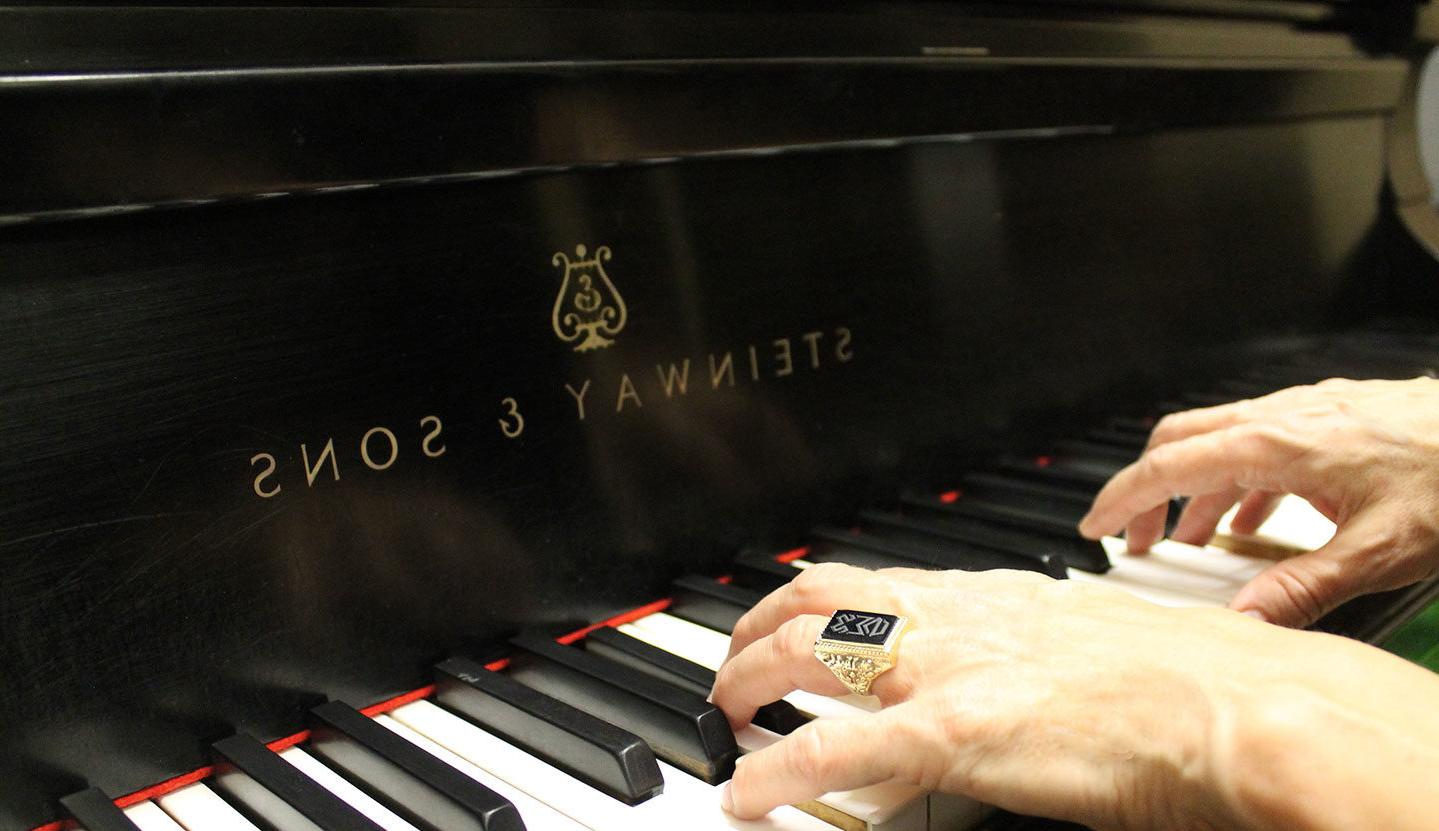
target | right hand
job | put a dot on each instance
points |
(1080, 702)
(1364, 453)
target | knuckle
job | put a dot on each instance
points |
(793, 638)
(813, 582)
(1167, 426)
(809, 753)
(1157, 464)
(742, 632)
(1302, 592)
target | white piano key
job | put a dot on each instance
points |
(888, 806)
(1209, 559)
(708, 648)
(1160, 573)
(537, 815)
(198, 808)
(1151, 594)
(347, 792)
(686, 802)
(1294, 524)
(148, 816)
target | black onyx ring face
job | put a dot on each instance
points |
(868, 628)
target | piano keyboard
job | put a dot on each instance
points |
(521, 746)
(611, 731)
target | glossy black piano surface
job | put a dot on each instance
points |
(290, 407)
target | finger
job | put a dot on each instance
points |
(1244, 456)
(823, 756)
(1201, 516)
(771, 668)
(1146, 529)
(1363, 557)
(819, 590)
(1182, 425)
(1254, 511)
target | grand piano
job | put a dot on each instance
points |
(342, 340)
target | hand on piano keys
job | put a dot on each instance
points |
(1364, 453)
(1077, 701)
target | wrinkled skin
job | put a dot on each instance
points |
(1364, 453)
(1080, 702)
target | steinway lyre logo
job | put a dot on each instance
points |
(589, 312)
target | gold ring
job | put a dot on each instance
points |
(858, 647)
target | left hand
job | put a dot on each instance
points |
(1078, 702)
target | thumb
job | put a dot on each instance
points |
(1301, 589)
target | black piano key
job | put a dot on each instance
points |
(1386, 353)
(1282, 376)
(943, 554)
(1056, 473)
(999, 513)
(1130, 426)
(1056, 499)
(830, 551)
(780, 717)
(1245, 388)
(607, 757)
(427, 792)
(682, 728)
(275, 795)
(1361, 368)
(1076, 553)
(758, 570)
(1132, 442)
(1192, 400)
(94, 811)
(1097, 454)
(711, 603)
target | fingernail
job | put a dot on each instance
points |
(726, 801)
(1256, 614)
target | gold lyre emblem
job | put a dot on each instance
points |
(588, 308)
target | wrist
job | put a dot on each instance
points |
(1331, 743)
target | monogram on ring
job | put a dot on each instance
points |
(858, 647)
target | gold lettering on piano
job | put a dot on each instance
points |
(778, 358)
(673, 377)
(842, 350)
(426, 444)
(783, 358)
(627, 393)
(579, 396)
(513, 424)
(312, 472)
(725, 369)
(812, 338)
(260, 477)
(588, 308)
(378, 449)
(365, 448)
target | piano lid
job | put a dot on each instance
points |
(203, 104)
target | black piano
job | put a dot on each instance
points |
(349, 353)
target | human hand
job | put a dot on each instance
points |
(1079, 702)
(1363, 453)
